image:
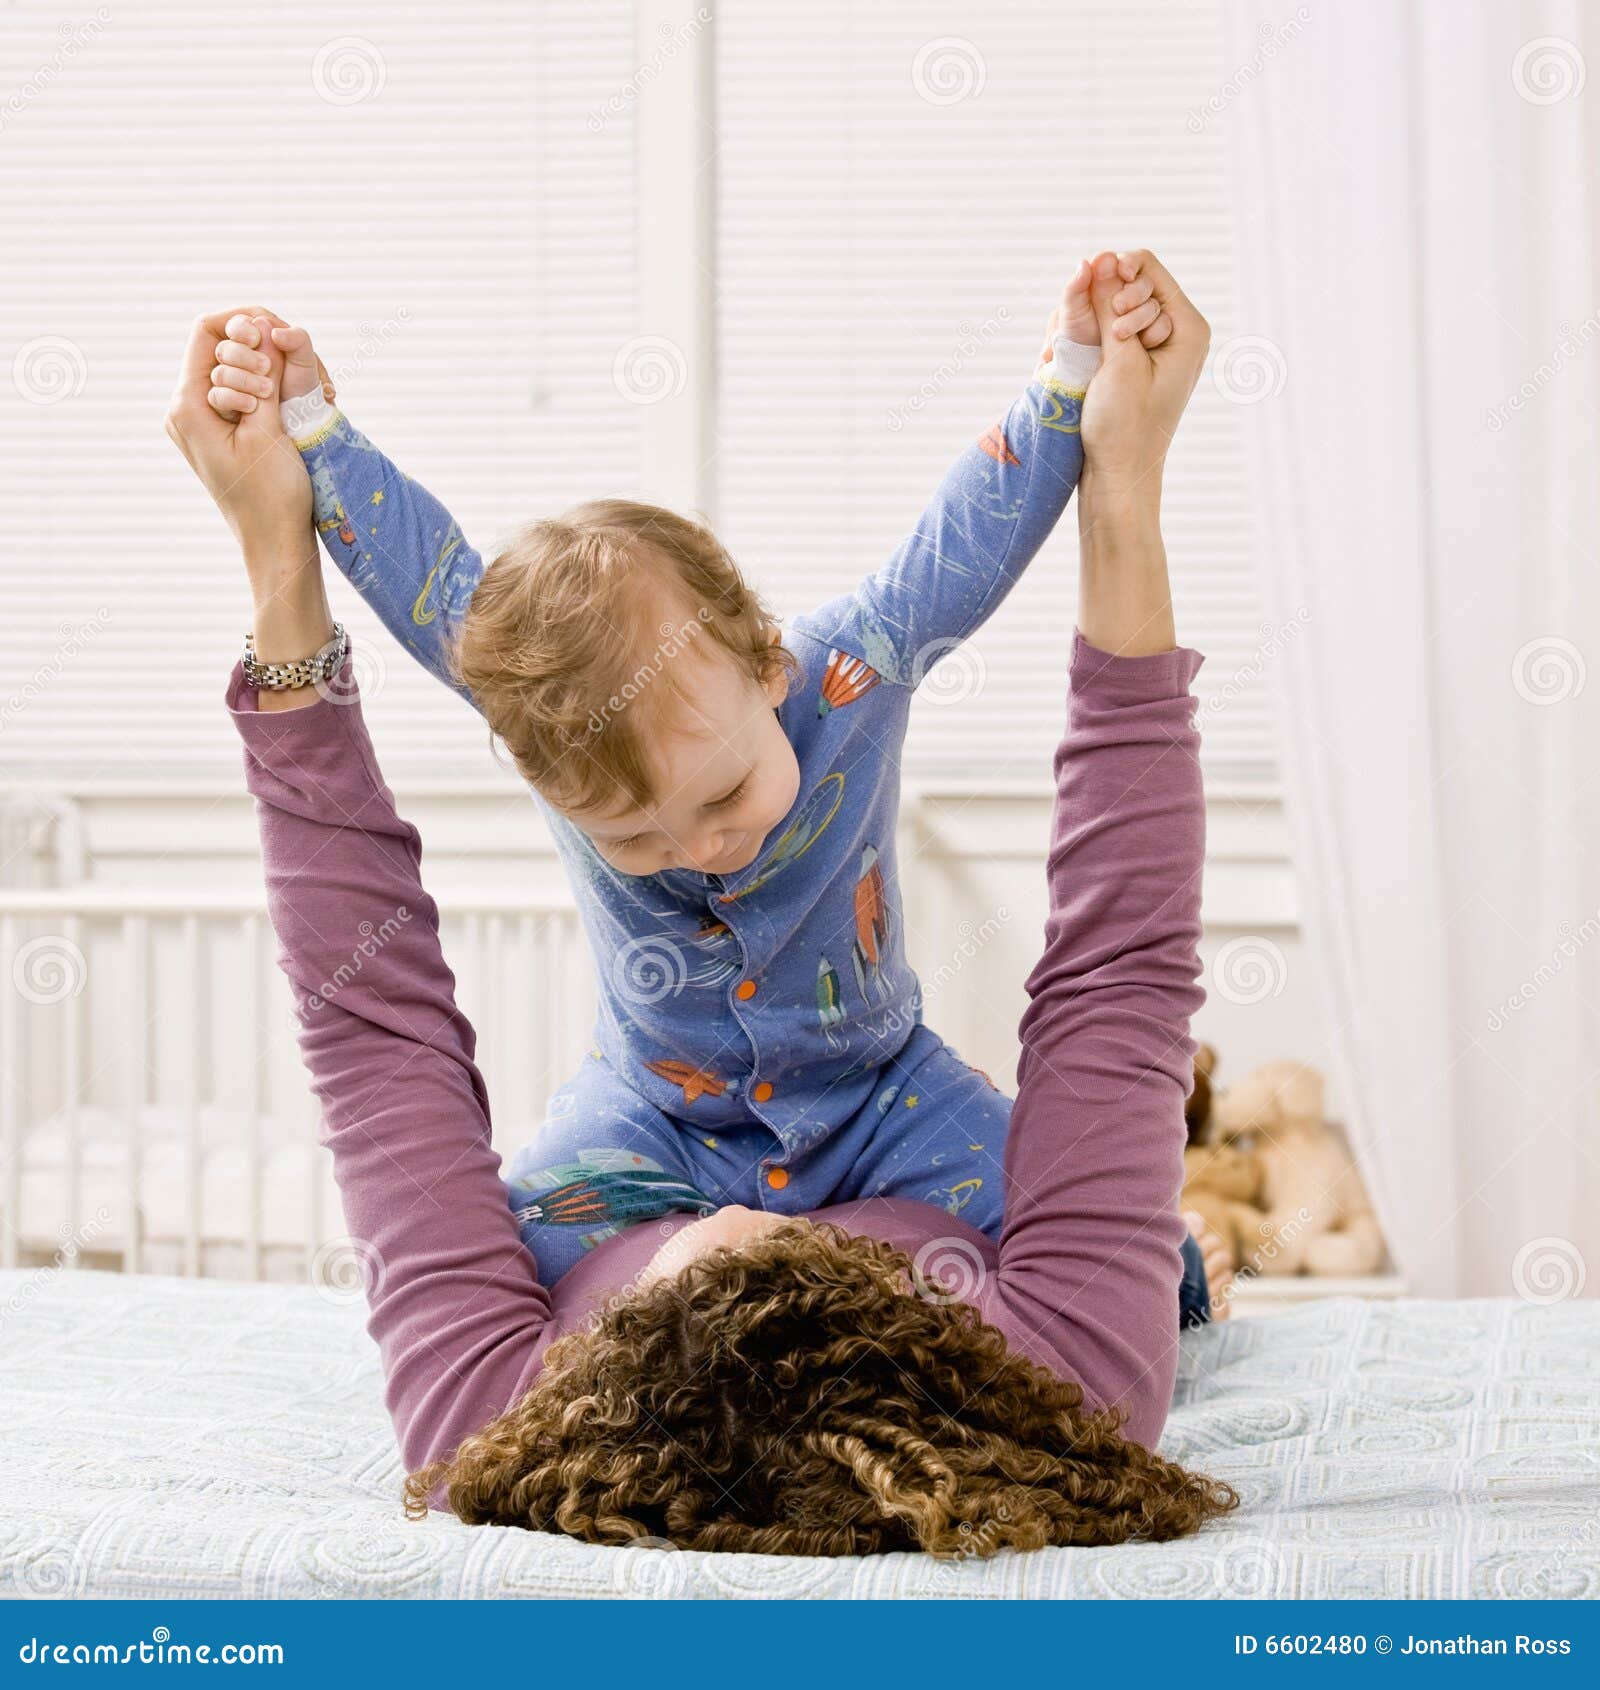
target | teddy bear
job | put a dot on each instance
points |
(1220, 1184)
(1316, 1216)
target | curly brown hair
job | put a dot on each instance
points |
(793, 1395)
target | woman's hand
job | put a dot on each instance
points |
(251, 469)
(1129, 418)
(245, 462)
(1144, 380)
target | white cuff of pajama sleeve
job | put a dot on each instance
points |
(1070, 364)
(307, 416)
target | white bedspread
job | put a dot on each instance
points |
(197, 1438)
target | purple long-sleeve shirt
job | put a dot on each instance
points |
(1085, 1276)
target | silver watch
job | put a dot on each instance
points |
(303, 672)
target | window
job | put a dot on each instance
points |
(444, 198)
(901, 191)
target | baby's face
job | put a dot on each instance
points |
(725, 772)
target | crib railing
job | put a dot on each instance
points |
(153, 1111)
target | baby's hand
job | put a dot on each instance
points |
(244, 367)
(1137, 312)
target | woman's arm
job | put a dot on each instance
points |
(456, 1307)
(1089, 1254)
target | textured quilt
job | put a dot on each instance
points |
(177, 1438)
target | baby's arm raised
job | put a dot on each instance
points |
(397, 544)
(996, 506)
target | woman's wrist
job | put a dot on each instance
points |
(292, 619)
(1124, 596)
(1121, 496)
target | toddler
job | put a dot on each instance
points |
(724, 799)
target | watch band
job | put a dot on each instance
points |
(303, 671)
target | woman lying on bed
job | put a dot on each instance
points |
(748, 1381)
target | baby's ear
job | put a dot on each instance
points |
(775, 675)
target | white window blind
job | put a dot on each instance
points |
(443, 195)
(902, 190)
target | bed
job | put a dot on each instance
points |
(191, 1438)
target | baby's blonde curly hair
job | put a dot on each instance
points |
(794, 1396)
(586, 628)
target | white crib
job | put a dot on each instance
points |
(154, 1115)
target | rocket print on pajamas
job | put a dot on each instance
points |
(695, 1082)
(830, 1003)
(603, 1192)
(845, 680)
(872, 925)
(993, 443)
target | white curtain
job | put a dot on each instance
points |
(1418, 197)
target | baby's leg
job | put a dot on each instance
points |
(604, 1159)
(1216, 1276)
(940, 1136)
(935, 1130)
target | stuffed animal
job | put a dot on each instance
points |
(1221, 1183)
(1317, 1217)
